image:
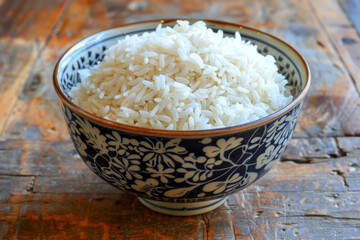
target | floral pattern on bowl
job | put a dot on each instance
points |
(180, 169)
(180, 172)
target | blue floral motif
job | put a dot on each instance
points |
(163, 173)
(160, 152)
(196, 168)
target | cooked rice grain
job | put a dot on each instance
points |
(182, 78)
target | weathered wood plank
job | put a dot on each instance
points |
(295, 227)
(27, 157)
(335, 174)
(36, 118)
(284, 204)
(31, 20)
(86, 183)
(250, 214)
(15, 185)
(342, 34)
(96, 217)
(36, 108)
(352, 7)
(349, 145)
(11, 187)
(14, 74)
(26, 27)
(308, 150)
(82, 18)
(219, 224)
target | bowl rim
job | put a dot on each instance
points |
(184, 133)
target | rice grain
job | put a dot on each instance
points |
(183, 78)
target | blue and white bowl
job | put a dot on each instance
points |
(180, 172)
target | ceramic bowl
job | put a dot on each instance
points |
(179, 172)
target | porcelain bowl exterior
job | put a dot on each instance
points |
(180, 166)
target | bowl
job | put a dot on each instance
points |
(180, 172)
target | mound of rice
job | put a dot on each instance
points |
(183, 78)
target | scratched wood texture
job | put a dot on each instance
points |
(46, 192)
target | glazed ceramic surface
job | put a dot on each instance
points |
(179, 166)
(180, 169)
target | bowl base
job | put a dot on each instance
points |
(182, 209)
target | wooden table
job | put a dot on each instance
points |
(47, 192)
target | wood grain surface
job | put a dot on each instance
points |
(47, 192)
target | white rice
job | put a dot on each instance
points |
(182, 78)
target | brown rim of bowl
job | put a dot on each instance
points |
(185, 133)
